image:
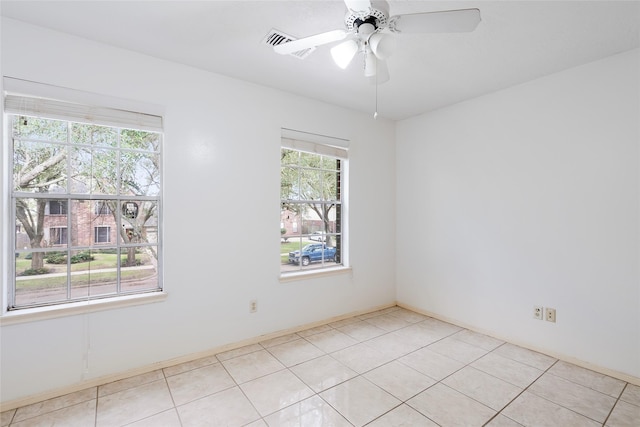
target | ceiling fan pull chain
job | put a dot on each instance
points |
(375, 114)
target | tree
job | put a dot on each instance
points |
(92, 167)
(139, 174)
(38, 166)
(310, 181)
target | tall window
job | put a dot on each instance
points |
(75, 180)
(311, 205)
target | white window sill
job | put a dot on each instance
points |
(302, 275)
(81, 307)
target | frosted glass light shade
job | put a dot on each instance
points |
(382, 45)
(343, 53)
(370, 64)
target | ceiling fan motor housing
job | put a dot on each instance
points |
(376, 17)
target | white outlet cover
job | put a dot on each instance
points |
(538, 312)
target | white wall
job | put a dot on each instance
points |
(530, 196)
(221, 215)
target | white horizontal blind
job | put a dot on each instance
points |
(313, 143)
(53, 109)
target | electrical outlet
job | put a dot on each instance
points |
(550, 314)
(537, 312)
(253, 306)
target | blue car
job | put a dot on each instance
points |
(312, 253)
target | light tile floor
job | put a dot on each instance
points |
(389, 368)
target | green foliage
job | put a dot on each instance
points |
(93, 134)
(81, 257)
(56, 258)
(40, 129)
(34, 271)
(61, 258)
(309, 177)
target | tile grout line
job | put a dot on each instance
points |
(615, 404)
(173, 400)
(521, 393)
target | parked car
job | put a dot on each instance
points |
(318, 236)
(312, 253)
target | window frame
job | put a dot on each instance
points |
(328, 147)
(9, 289)
(96, 234)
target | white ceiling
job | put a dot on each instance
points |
(516, 41)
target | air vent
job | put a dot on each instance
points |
(275, 37)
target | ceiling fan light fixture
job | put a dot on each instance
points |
(366, 29)
(343, 53)
(382, 45)
(370, 63)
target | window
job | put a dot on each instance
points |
(102, 208)
(102, 234)
(57, 207)
(58, 235)
(85, 202)
(311, 205)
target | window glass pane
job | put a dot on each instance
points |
(104, 207)
(139, 222)
(329, 163)
(39, 167)
(310, 184)
(310, 222)
(310, 160)
(40, 129)
(139, 140)
(40, 277)
(290, 254)
(36, 227)
(289, 180)
(80, 170)
(94, 273)
(289, 157)
(140, 174)
(330, 185)
(88, 216)
(104, 171)
(139, 269)
(93, 134)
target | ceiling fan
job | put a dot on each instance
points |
(372, 32)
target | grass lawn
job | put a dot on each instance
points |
(45, 281)
(290, 246)
(100, 261)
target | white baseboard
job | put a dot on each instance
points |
(35, 398)
(605, 371)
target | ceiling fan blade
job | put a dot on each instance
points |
(358, 5)
(448, 21)
(309, 42)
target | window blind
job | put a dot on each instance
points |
(313, 143)
(53, 109)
